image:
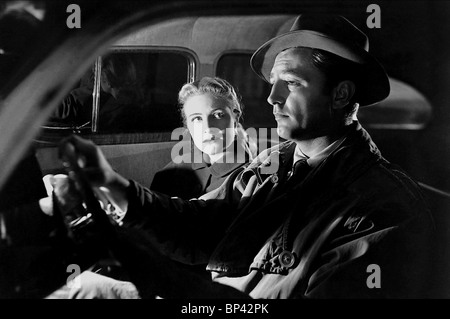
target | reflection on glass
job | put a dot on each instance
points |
(137, 93)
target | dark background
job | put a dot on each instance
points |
(413, 45)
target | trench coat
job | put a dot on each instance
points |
(356, 226)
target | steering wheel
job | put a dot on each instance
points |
(93, 213)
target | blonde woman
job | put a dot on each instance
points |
(211, 110)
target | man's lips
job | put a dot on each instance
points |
(279, 116)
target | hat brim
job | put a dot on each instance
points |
(373, 84)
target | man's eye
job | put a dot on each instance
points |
(293, 83)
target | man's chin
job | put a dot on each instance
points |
(283, 133)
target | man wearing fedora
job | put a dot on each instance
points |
(322, 215)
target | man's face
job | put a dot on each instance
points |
(299, 96)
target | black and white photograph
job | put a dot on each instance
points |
(224, 154)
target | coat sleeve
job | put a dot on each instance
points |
(76, 107)
(184, 230)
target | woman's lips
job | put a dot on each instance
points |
(209, 138)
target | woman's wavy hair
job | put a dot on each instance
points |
(216, 87)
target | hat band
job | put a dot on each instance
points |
(317, 40)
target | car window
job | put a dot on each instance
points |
(258, 120)
(129, 91)
(234, 67)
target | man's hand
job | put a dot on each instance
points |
(67, 198)
(95, 167)
(90, 159)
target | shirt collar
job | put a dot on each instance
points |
(315, 160)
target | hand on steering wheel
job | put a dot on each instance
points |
(83, 169)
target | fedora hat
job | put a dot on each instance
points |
(334, 34)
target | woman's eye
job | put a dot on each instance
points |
(196, 119)
(218, 115)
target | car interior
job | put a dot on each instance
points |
(175, 42)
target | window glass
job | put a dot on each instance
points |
(159, 77)
(137, 92)
(235, 68)
(75, 110)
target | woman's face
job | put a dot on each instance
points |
(210, 122)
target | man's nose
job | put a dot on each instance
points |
(277, 94)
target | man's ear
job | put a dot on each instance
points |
(343, 93)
